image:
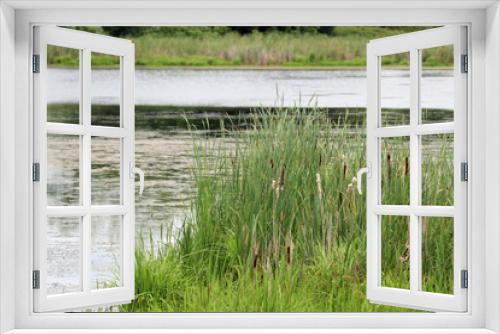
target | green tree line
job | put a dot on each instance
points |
(263, 46)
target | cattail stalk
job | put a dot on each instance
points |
(324, 228)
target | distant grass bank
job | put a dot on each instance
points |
(343, 48)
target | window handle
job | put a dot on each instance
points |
(359, 176)
(136, 170)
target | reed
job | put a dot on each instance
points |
(278, 226)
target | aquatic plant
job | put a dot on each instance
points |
(277, 225)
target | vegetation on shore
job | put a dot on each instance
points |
(249, 47)
(277, 224)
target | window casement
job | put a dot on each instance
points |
(85, 213)
(408, 139)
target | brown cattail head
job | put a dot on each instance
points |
(389, 169)
(407, 166)
(256, 255)
(272, 164)
(282, 176)
(320, 159)
(344, 171)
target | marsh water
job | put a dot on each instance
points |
(164, 146)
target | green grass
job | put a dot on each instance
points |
(278, 226)
(346, 48)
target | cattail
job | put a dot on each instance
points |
(320, 160)
(255, 255)
(359, 273)
(407, 167)
(289, 252)
(324, 228)
(318, 186)
(282, 177)
(389, 166)
(272, 164)
(344, 172)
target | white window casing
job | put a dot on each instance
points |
(483, 237)
(85, 43)
(414, 44)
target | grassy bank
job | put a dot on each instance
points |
(345, 47)
(279, 227)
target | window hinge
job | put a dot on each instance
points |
(36, 63)
(36, 279)
(36, 172)
(464, 171)
(465, 63)
(464, 280)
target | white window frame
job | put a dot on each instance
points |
(85, 43)
(413, 44)
(16, 20)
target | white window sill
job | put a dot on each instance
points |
(252, 331)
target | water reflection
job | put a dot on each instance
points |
(230, 88)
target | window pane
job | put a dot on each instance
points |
(395, 251)
(437, 254)
(106, 252)
(395, 89)
(63, 169)
(106, 90)
(106, 165)
(63, 85)
(395, 170)
(63, 255)
(437, 169)
(437, 85)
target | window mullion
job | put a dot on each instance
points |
(415, 254)
(85, 168)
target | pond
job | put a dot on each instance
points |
(164, 147)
